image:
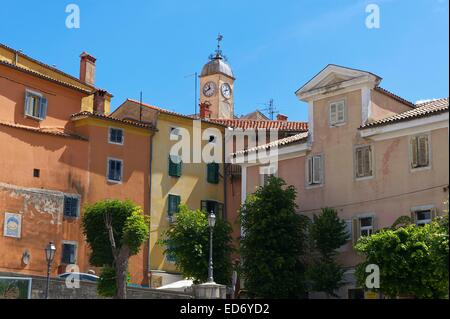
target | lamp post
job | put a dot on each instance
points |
(50, 250)
(211, 223)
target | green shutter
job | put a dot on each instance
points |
(204, 206)
(219, 210)
(213, 173)
(173, 205)
(175, 169)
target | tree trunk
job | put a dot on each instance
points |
(122, 272)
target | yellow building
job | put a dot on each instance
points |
(193, 181)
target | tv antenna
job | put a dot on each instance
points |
(270, 109)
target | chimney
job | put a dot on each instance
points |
(99, 101)
(281, 117)
(87, 68)
(205, 113)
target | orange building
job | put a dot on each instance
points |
(59, 150)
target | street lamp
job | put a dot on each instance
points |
(50, 250)
(211, 223)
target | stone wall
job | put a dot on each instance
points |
(88, 290)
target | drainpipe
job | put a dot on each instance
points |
(150, 202)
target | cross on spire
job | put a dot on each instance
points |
(219, 40)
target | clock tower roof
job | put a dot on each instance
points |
(217, 65)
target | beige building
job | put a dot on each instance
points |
(368, 153)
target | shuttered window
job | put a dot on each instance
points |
(71, 206)
(173, 205)
(35, 105)
(209, 206)
(69, 253)
(337, 113)
(363, 161)
(213, 173)
(175, 166)
(315, 170)
(420, 151)
(422, 217)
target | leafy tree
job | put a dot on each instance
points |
(412, 260)
(187, 241)
(273, 242)
(115, 231)
(328, 233)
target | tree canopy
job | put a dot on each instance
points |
(187, 241)
(115, 230)
(412, 260)
(273, 242)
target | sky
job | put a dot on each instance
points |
(273, 47)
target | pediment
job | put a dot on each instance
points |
(333, 75)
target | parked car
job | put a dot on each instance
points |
(82, 276)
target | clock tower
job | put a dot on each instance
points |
(217, 85)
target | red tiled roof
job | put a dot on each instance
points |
(421, 110)
(85, 114)
(190, 117)
(395, 97)
(302, 137)
(56, 131)
(263, 124)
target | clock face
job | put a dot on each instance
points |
(209, 89)
(226, 90)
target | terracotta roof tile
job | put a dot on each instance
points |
(56, 131)
(421, 110)
(302, 137)
(84, 114)
(263, 124)
(395, 97)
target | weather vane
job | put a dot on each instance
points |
(219, 39)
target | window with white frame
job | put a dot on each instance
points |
(315, 170)
(365, 226)
(423, 215)
(35, 105)
(115, 170)
(115, 136)
(363, 161)
(337, 113)
(420, 155)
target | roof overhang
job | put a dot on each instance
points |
(334, 79)
(416, 126)
(276, 154)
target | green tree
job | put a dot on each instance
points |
(115, 230)
(187, 241)
(328, 233)
(412, 260)
(273, 242)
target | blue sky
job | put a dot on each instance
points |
(273, 46)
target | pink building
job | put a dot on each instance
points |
(368, 153)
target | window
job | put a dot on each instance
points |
(173, 206)
(423, 215)
(337, 113)
(213, 173)
(420, 151)
(69, 253)
(362, 226)
(175, 165)
(115, 168)
(315, 170)
(366, 226)
(71, 206)
(36, 172)
(35, 105)
(170, 257)
(115, 136)
(209, 206)
(363, 161)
